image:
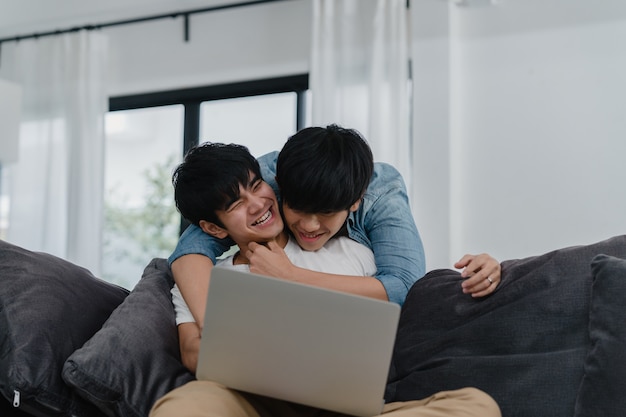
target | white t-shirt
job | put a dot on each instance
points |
(340, 255)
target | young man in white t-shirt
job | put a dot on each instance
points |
(237, 203)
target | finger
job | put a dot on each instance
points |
(496, 275)
(485, 265)
(479, 282)
(461, 263)
(482, 293)
(489, 287)
(475, 266)
(472, 285)
(475, 278)
(272, 245)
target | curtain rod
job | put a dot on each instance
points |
(184, 13)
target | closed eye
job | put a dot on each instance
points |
(256, 184)
(234, 205)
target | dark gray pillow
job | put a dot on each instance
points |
(524, 345)
(603, 388)
(135, 358)
(48, 308)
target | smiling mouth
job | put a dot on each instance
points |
(310, 236)
(264, 219)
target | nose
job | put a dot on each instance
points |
(255, 203)
(309, 223)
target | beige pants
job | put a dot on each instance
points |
(209, 399)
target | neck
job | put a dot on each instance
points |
(240, 257)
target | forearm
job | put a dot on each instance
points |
(189, 339)
(358, 285)
(192, 275)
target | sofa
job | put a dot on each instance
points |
(549, 342)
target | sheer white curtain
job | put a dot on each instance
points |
(56, 187)
(359, 74)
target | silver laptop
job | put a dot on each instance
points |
(298, 343)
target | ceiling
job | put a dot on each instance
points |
(25, 17)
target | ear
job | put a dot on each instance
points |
(213, 229)
(354, 207)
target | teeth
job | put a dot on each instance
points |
(263, 219)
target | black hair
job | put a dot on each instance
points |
(324, 169)
(208, 179)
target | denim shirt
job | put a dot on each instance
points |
(383, 223)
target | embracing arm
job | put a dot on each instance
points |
(358, 285)
(383, 222)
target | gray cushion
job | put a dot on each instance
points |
(48, 308)
(135, 358)
(603, 388)
(525, 344)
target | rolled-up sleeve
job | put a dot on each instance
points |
(195, 241)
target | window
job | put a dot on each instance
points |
(140, 217)
(262, 123)
(147, 136)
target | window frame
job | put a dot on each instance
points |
(192, 98)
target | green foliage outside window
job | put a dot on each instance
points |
(133, 236)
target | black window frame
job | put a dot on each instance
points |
(192, 98)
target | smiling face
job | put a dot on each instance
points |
(251, 217)
(313, 230)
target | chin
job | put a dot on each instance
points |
(310, 246)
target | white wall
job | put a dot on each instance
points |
(430, 27)
(238, 44)
(520, 127)
(537, 128)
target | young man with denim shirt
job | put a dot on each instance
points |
(383, 222)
